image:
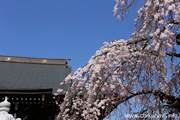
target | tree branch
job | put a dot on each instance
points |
(171, 100)
(173, 54)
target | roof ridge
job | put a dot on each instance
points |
(33, 60)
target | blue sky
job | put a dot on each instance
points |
(63, 29)
(72, 29)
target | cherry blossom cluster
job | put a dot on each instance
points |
(114, 72)
(123, 69)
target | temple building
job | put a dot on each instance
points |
(29, 84)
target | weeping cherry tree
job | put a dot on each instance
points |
(143, 71)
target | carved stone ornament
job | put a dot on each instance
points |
(4, 109)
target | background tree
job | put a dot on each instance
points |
(143, 71)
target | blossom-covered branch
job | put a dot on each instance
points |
(129, 70)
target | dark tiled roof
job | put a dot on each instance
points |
(20, 73)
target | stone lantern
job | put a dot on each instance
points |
(4, 109)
